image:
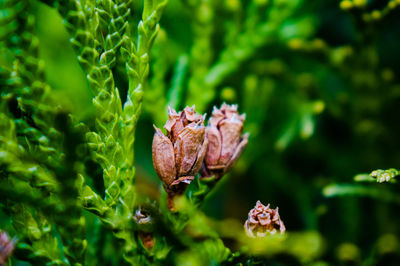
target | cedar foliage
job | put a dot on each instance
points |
(81, 82)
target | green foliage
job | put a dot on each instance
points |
(318, 81)
(385, 175)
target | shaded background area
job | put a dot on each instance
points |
(322, 99)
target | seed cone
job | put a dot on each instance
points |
(178, 156)
(263, 221)
(7, 246)
(225, 141)
(142, 218)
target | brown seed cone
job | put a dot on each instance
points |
(7, 246)
(225, 141)
(178, 156)
(142, 218)
(147, 239)
(263, 221)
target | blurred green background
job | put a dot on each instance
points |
(319, 83)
